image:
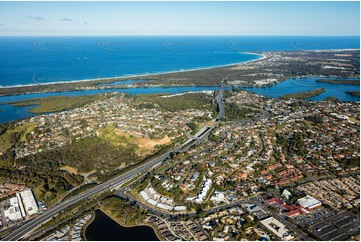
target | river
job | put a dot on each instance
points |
(294, 85)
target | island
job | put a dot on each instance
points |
(336, 81)
(304, 95)
(354, 94)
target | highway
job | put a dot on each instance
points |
(219, 100)
(119, 180)
(18, 233)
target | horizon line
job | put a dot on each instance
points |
(189, 35)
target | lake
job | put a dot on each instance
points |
(103, 228)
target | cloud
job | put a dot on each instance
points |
(67, 19)
(73, 21)
(37, 18)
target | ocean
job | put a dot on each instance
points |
(39, 60)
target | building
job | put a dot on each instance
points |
(13, 212)
(27, 200)
(218, 197)
(294, 213)
(277, 228)
(287, 194)
(309, 202)
(21, 205)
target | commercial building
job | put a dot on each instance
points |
(28, 202)
(24, 204)
(13, 212)
(277, 228)
(309, 202)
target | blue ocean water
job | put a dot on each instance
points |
(37, 60)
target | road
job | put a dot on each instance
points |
(263, 147)
(112, 183)
(219, 100)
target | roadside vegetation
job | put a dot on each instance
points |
(43, 171)
(123, 212)
(71, 215)
(234, 112)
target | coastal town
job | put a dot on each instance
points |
(180, 120)
(251, 168)
(287, 170)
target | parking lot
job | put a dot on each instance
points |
(338, 227)
(314, 217)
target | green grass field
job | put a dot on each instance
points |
(6, 139)
(109, 133)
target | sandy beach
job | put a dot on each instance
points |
(262, 57)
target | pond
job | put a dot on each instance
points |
(103, 228)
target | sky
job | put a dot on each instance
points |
(179, 18)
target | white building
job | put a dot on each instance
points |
(277, 228)
(13, 212)
(309, 202)
(21, 206)
(28, 202)
(218, 197)
(287, 194)
(204, 190)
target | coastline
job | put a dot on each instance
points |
(124, 77)
(262, 57)
(200, 77)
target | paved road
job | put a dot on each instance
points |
(263, 147)
(219, 100)
(18, 233)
